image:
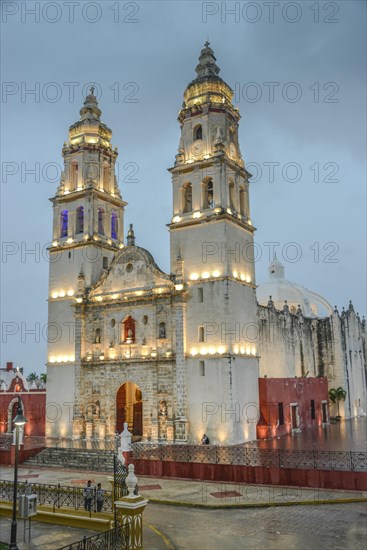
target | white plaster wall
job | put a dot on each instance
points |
(60, 400)
(335, 347)
(223, 403)
(216, 246)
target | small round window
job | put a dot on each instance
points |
(129, 268)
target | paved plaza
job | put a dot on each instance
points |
(185, 514)
(347, 435)
(191, 493)
(334, 527)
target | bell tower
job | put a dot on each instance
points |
(88, 216)
(211, 233)
(210, 181)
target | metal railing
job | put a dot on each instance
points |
(115, 539)
(251, 456)
(58, 496)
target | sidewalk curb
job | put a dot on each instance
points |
(254, 505)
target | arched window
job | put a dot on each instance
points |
(100, 221)
(79, 220)
(114, 225)
(187, 196)
(208, 201)
(232, 197)
(242, 202)
(129, 331)
(198, 132)
(64, 221)
(162, 330)
(97, 336)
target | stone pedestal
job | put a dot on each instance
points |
(170, 431)
(154, 430)
(78, 428)
(101, 430)
(130, 512)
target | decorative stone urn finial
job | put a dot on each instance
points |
(131, 236)
(131, 481)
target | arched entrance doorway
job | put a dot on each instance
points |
(129, 408)
(12, 412)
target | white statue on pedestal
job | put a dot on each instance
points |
(125, 445)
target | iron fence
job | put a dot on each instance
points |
(57, 496)
(253, 456)
(115, 539)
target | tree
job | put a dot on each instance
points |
(336, 395)
(32, 377)
(43, 377)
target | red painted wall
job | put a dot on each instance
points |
(34, 403)
(323, 479)
(273, 391)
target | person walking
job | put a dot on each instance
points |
(88, 496)
(99, 497)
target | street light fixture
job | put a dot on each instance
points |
(19, 420)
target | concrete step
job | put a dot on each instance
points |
(78, 459)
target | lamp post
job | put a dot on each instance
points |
(19, 420)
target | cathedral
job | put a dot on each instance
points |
(182, 353)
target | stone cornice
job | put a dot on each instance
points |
(87, 192)
(213, 217)
(206, 163)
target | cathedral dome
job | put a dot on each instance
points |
(208, 86)
(279, 290)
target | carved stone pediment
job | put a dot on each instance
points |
(133, 268)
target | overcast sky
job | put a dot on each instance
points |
(309, 119)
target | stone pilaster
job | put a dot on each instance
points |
(180, 391)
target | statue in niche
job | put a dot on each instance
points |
(162, 330)
(163, 409)
(129, 330)
(97, 336)
(97, 410)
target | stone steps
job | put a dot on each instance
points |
(73, 459)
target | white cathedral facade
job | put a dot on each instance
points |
(179, 354)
